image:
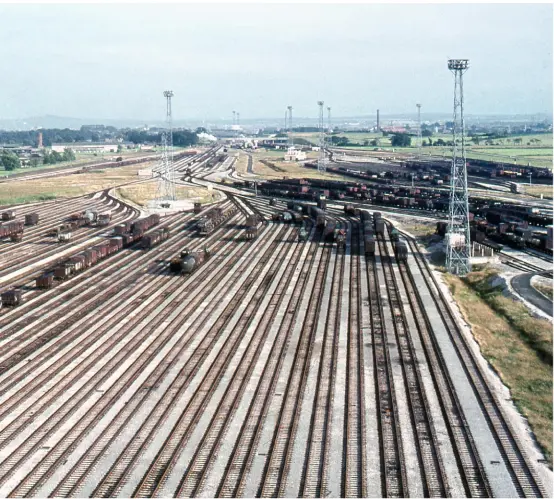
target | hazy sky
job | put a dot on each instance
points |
(114, 61)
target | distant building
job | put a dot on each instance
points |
(293, 154)
(85, 147)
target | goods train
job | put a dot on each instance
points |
(188, 261)
(85, 259)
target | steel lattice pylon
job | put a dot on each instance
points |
(290, 140)
(419, 138)
(458, 244)
(321, 166)
(166, 184)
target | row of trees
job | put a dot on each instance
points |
(55, 135)
(9, 161)
(55, 157)
(181, 138)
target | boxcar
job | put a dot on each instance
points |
(11, 298)
(45, 281)
(31, 219)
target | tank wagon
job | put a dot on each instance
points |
(103, 219)
(188, 261)
(302, 234)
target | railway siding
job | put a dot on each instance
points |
(499, 477)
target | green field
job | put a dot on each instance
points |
(80, 159)
(535, 150)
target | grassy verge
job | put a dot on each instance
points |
(515, 344)
(544, 289)
(11, 200)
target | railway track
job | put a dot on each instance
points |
(277, 368)
(523, 475)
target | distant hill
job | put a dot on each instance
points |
(50, 121)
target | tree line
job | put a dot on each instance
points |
(181, 138)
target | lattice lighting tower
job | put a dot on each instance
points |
(166, 185)
(321, 166)
(234, 117)
(419, 138)
(329, 119)
(238, 119)
(458, 244)
(290, 140)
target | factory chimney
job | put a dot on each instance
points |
(378, 127)
(39, 140)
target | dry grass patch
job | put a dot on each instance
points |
(503, 336)
(241, 164)
(69, 185)
(144, 192)
(291, 169)
(537, 190)
(544, 289)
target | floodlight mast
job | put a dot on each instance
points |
(290, 139)
(321, 166)
(166, 185)
(458, 243)
(419, 139)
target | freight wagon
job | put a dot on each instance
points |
(214, 218)
(401, 251)
(369, 245)
(156, 237)
(103, 219)
(11, 298)
(188, 261)
(13, 230)
(31, 219)
(45, 281)
(8, 215)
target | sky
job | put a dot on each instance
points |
(114, 61)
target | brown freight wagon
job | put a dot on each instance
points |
(121, 229)
(91, 257)
(8, 215)
(150, 240)
(17, 237)
(117, 242)
(11, 298)
(31, 219)
(101, 251)
(45, 281)
(62, 271)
